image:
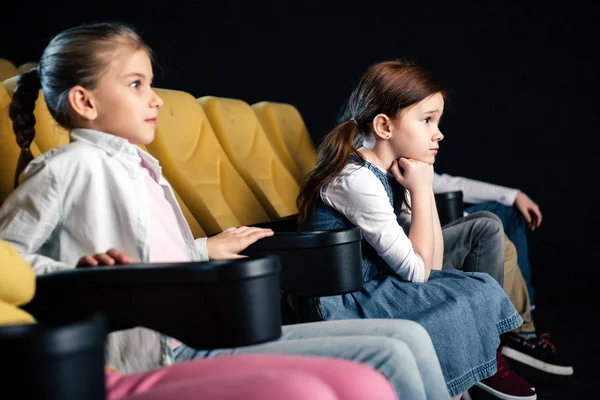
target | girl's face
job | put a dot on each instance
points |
(125, 103)
(415, 134)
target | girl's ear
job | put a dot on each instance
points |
(382, 126)
(82, 103)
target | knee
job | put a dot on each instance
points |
(409, 332)
(413, 335)
(402, 326)
(394, 351)
(488, 224)
(417, 330)
(488, 216)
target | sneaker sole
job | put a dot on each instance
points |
(535, 363)
(504, 396)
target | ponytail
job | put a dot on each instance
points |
(333, 155)
(21, 113)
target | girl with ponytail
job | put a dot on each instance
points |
(375, 171)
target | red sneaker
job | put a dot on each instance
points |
(506, 384)
(539, 353)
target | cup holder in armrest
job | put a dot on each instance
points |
(205, 305)
(450, 206)
(314, 264)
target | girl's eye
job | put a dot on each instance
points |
(426, 120)
(135, 84)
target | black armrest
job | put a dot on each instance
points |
(63, 362)
(314, 264)
(205, 305)
(450, 206)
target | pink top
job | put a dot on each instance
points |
(166, 239)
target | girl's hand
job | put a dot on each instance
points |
(413, 174)
(110, 258)
(227, 244)
(529, 209)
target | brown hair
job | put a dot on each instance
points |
(385, 88)
(75, 57)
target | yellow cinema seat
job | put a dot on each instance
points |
(17, 286)
(287, 132)
(7, 69)
(246, 144)
(26, 67)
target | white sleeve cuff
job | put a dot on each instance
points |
(202, 249)
(509, 197)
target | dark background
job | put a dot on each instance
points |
(521, 112)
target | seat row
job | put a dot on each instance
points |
(225, 172)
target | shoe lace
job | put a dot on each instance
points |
(502, 365)
(544, 340)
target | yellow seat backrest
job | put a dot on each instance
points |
(198, 168)
(9, 150)
(17, 286)
(195, 227)
(7, 69)
(246, 144)
(197, 230)
(13, 315)
(4, 98)
(10, 84)
(48, 133)
(287, 132)
(26, 67)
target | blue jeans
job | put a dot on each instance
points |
(516, 230)
(401, 350)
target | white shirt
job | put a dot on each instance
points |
(360, 196)
(474, 191)
(85, 198)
